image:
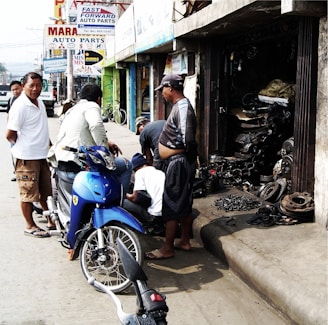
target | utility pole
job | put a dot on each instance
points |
(70, 77)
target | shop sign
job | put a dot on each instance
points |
(66, 37)
(87, 63)
(153, 23)
(96, 18)
(58, 10)
(124, 31)
(176, 64)
(190, 90)
(93, 57)
(52, 65)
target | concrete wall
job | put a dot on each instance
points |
(321, 154)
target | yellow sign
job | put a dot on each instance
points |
(58, 11)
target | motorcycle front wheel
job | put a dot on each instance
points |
(104, 264)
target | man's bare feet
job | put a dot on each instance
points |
(182, 246)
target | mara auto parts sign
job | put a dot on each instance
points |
(66, 37)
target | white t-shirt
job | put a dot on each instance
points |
(31, 123)
(151, 180)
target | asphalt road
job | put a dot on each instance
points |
(39, 285)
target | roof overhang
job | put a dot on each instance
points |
(226, 17)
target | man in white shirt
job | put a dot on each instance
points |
(27, 131)
(149, 180)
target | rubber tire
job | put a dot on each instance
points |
(108, 273)
(120, 118)
(270, 192)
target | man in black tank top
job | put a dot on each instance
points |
(178, 149)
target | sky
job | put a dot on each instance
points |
(21, 33)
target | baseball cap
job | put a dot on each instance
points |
(138, 160)
(171, 80)
(140, 120)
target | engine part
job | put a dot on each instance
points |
(270, 192)
(299, 205)
(237, 203)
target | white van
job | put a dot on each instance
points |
(5, 95)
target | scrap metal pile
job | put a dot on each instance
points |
(237, 203)
(262, 164)
(262, 130)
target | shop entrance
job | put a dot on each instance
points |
(255, 103)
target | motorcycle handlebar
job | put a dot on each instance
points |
(124, 317)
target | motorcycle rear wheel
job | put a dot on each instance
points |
(105, 265)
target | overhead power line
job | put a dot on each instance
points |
(21, 44)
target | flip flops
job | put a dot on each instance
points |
(37, 233)
(156, 255)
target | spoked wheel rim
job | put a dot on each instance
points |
(105, 265)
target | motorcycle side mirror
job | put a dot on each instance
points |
(131, 267)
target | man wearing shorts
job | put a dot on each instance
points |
(178, 148)
(27, 131)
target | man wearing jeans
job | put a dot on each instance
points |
(82, 125)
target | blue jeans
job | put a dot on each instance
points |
(123, 172)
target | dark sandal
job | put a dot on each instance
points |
(37, 233)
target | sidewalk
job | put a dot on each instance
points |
(286, 265)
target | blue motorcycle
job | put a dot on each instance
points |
(89, 218)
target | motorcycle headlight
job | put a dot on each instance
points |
(97, 160)
(108, 160)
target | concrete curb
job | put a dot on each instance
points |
(273, 283)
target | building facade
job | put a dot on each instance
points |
(256, 74)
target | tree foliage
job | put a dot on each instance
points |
(2, 68)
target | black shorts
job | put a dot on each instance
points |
(177, 197)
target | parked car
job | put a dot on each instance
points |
(5, 95)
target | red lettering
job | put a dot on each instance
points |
(62, 31)
(73, 5)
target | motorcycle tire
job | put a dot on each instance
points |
(105, 265)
